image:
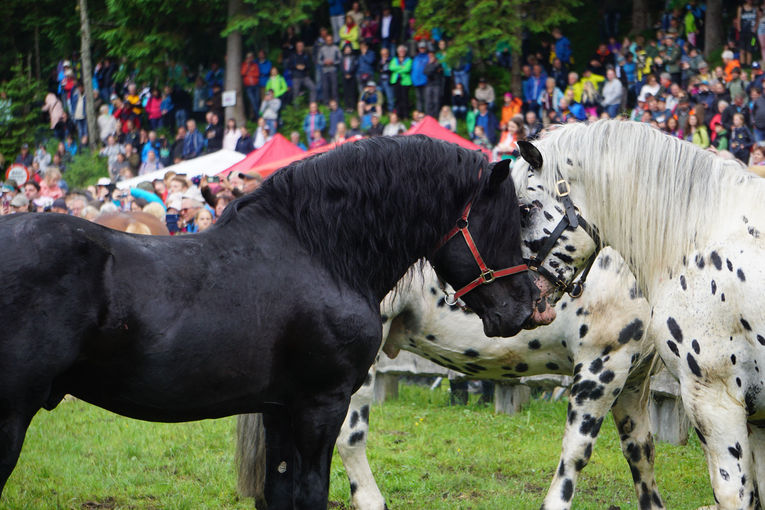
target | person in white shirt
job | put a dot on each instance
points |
(231, 135)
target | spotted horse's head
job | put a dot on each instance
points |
(557, 242)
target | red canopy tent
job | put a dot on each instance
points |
(276, 148)
(430, 127)
(266, 168)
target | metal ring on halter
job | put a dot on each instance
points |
(450, 299)
(577, 289)
(487, 276)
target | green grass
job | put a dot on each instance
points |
(425, 454)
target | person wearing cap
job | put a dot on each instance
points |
(485, 92)
(370, 101)
(9, 190)
(757, 77)
(419, 79)
(59, 206)
(191, 202)
(19, 203)
(25, 157)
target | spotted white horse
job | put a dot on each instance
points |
(689, 225)
(598, 335)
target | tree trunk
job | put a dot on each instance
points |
(713, 31)
(87, 73)
(641, 16)
(233, 64)
(515, 62)
(37, 52)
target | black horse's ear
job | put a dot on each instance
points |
(499, 172)
(531, 154)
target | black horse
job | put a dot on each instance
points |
(275, 309)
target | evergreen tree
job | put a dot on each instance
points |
(19, 123)
(479, 25)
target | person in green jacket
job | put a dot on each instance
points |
(721, 140)
(472, 113)
(401, 78)
(276, 83)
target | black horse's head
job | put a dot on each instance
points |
(482, 259)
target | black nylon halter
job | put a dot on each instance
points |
(570, 219)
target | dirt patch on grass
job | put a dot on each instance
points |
(339, 505)
(534, 489)
(107, 503)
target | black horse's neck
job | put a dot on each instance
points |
(370, 209)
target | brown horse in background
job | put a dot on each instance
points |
(133, 222)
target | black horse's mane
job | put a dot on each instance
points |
(392, 195)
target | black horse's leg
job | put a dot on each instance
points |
(13, 428)
(316, 430)
(280, 461)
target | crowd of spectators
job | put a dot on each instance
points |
(371, 73)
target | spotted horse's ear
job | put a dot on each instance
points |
(531, 154)
(498, 173)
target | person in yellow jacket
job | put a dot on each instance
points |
(594, 78)
(350, 33)
(575, 86)
(276, 83)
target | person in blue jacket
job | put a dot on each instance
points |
(419, 80)
(562, 46)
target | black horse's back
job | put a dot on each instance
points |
(274, 309)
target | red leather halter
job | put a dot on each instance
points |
(487, 275)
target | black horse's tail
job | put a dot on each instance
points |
(251, 458)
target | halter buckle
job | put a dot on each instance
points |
(450, 299)
(562, 188)
(487, 276)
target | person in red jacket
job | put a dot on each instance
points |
(250, 78)
(154, 109)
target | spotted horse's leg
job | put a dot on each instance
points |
(352, 447)
(757, 441)
(630, 413)
(720, 422)
(600, 374)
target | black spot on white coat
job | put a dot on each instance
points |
(693, 365)
(715, 259)
(632, 331)
(675, 330)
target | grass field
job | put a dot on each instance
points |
(425, 454)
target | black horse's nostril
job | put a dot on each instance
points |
(541, 305)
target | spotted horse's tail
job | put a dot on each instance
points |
(251, 458)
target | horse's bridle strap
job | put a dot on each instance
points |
(571, 218)
(487, 275)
